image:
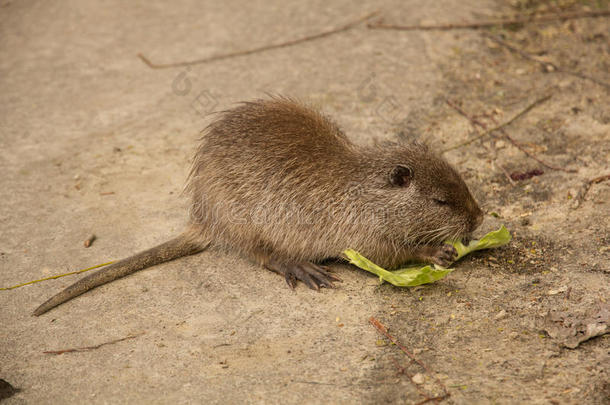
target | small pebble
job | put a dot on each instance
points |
(89, 241)
(559, 290)
(418, 378)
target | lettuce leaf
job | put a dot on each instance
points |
(418, 274)
(406, 277)
(491, 240)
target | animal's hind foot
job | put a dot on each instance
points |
(313, 275)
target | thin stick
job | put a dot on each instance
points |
(259, 49)
(499, 127)
(437, 399)
(403, 370)
(599, 179)
(490, 23)
(384, 331)
(543, 63)
(532, 156)
(57, 276)
(476, 122)
(89, 348)
(470, 118)
(585, 188)
(506, 174)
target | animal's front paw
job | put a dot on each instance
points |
(444, 255)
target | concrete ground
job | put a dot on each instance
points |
(92, 141)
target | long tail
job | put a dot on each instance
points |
(185, 244)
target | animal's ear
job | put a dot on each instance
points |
(401, 176)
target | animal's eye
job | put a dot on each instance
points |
(439, 201)
(401, 176)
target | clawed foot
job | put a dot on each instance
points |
(313, 275)
(443, 255)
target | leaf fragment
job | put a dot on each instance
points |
(417, 274)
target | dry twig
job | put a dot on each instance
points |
(54, 277)
(501, 126)
(506, 174)
(599, 179)
(482, 125)
(546, 65)
(532, 156)
(259, 49)
(491, 23)
(436, 399)
(469, 117)
(89, 348)
(403, 370)
(585, 189)
(384, 331)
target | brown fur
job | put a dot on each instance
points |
(278, 157)
(282, 184)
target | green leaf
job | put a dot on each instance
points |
(491, 240)
(407, 277)
(417, 274)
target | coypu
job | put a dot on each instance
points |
(282, 184)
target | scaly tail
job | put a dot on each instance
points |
(186, 244)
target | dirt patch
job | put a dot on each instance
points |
(482, 330)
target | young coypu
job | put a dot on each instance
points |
(283, 185)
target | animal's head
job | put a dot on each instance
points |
(428, 199)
